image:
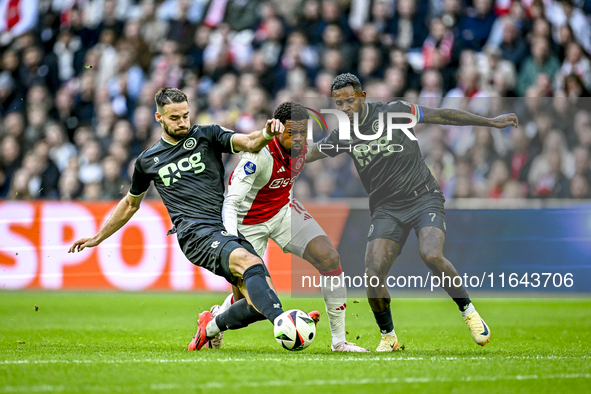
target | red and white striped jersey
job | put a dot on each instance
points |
(260, 186)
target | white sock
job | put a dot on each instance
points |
(469, 309)
(227, 303)
(389, 334)
(335, 299)
(212, 329)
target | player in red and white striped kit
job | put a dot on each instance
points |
(259, 206)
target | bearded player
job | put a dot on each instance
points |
(258, 206)
(187, 170)
(403, 195)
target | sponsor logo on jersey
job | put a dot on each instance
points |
(250, 168)
(171, 172)
(215, 244)
(281, 169)
(282, 182)
(190, 143)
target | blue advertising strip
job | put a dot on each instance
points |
(506, 249)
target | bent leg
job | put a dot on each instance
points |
(379, 258)
(321, 254)
(256, 285)
(431, 240)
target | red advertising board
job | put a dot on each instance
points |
(35, 237)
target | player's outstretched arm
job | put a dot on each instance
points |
(124, 211)
(257, 140)
(457, 117)
(314, 154)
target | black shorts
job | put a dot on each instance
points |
(211, 250)
(426, 210)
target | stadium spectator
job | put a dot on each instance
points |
(520, 155)
(475, 26)
(10, 99)
(10, 160)
(582, 163)
(575, 63)
(579, 187)
(408, 25)
(513, 47)
(60, 149)
(541, 60)
(437, 47)
(84, 74)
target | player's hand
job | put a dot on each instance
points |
(505, 120)
(274, 127)
(83, 243)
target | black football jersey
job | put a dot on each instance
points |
(390, 170)
(189, 176)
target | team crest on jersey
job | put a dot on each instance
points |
(250, 168)
(375, 126)
(299, 164)
(190, 143)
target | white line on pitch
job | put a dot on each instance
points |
(275, 359)
(315, 383)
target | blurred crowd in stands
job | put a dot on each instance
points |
(78, 78)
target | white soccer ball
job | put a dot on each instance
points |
(294, 330)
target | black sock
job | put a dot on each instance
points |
(240, 315)
(462, 303)
(459, 295)
(384, 320)
(263, 298)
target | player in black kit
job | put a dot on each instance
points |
(403, 195)
(187, 171)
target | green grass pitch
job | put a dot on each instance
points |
(136, 342)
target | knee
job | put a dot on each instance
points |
(433, 258)
(332, 260)
(243, 260)
(327, 260)
(374, 270)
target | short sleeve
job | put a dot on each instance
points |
(221, 137)
(329, 145)
(403, 106)
(140, 182)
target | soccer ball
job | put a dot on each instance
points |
(294, 330)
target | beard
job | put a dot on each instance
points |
(296, 151)
(177, 134)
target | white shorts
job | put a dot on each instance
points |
(292, 228)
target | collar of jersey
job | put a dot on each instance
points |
(166, 143)
(280, 149)
(366, 112)
(286, 157)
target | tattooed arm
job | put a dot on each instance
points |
(457, 117)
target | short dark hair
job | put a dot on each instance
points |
(290, 111)
(169, 95)
(344, 80)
